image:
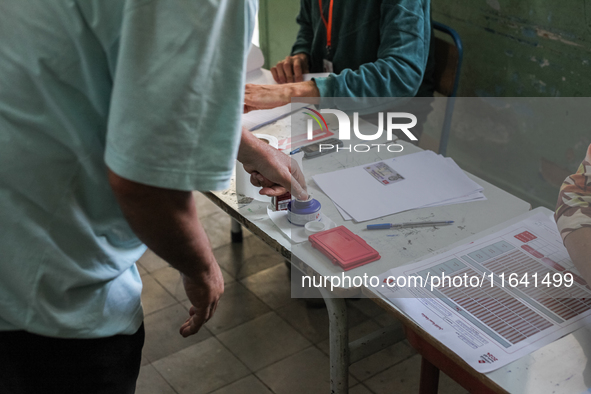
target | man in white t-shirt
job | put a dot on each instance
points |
(111, 113)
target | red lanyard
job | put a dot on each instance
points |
(328, 24)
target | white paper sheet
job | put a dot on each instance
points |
(255, 59)
(344, 214)
(427, 182)
(478, 196)
(296, 234)
(256, 119)
(490, 327)
(260, 77)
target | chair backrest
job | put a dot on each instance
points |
(446, 67)
(448, 61)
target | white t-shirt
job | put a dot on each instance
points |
(154, 89)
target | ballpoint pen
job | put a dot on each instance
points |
(383, 226)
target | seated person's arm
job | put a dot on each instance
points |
(573, 216)
(271, 96)
(397, 72)
(289, 70)
(405, 35)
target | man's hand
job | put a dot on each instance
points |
(166, 221)
(275, 171)
(291, 69)
(204, 293)
(271, 96)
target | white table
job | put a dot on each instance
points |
(560, 368)
(470, 218)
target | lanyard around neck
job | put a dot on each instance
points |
(327, 24)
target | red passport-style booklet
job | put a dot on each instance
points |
(344, 248)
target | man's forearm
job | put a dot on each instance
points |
(247, 150)
(167, 222)
(275, 171)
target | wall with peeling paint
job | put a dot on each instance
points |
(512, 48)
(523, 48)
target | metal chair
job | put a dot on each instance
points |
(448, 63)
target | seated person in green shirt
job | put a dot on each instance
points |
(377, 49)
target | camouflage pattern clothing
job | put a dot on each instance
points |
(573, 209)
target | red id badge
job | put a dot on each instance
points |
(344, 248)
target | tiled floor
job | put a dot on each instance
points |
(260, 341)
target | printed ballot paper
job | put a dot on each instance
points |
(497, 298)
(390, 186)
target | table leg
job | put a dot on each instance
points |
(236, 231)
(429, 377)
(339, 343)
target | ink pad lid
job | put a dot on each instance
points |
(344, 248)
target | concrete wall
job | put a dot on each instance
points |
(512, 48)
(523, 48)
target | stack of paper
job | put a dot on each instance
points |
(418, 180)
(255, 120)
(255, 59)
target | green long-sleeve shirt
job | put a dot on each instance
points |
(380, 48)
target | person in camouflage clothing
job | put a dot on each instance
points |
(573, 216)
